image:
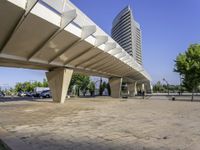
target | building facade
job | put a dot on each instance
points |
(127, 33)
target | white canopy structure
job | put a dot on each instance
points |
(55, 35)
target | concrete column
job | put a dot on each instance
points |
(132, 89)
(149, 87)
(59, 81)
(139, 87)
(135, 87)
(142, 87)
(115, 86)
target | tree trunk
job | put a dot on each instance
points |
(84, 92)
(192, 95)
(78, 92)
(91, 93)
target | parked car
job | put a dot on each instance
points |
(45, 94)
(29, 94)
(21, 94)
(124, 91)
(36, 95)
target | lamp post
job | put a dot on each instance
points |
(167, 85)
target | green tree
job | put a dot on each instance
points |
(109, 89)
(29, 87)
(158, 87)
(91, 88)
(19, 87)
(81, 81)
(102, 87)
(188, 66)
(45, 83)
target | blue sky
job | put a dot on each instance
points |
(168, 28)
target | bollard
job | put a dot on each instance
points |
(173, 98)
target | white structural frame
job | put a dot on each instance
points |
(67, 39)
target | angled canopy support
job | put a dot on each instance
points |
(115, 51)
(109, 46)
(101, 63)
(85, 33)
(89, 59)
(125, 58)
(98, 42)
(78, 56)
(120, 55)
(98, 61)
(29, 6)
(66, 18)
(128, 60)
(111, 67)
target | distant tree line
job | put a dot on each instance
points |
(163, 88)
(30, 86)
(80, 84)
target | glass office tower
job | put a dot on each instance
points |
(126, 32)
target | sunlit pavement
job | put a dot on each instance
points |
(101, 123)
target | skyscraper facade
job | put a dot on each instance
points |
(126, 32)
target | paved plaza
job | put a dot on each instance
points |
(101, 124)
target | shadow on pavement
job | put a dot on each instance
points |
(75, 144)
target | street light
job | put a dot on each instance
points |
(167, 84)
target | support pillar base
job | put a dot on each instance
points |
(115, 86)
(59, 81)
(132, 89)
